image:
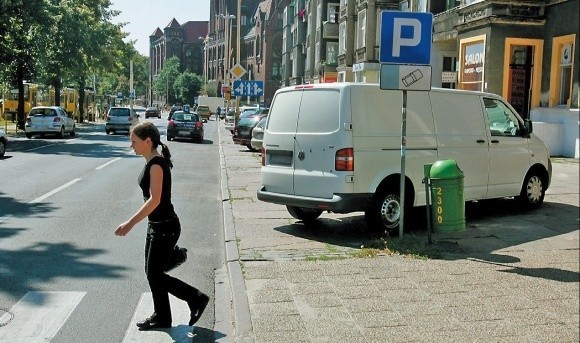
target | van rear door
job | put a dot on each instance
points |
(278, 170)
(318, 137)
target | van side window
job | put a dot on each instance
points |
(501, 120)
(319, 111)
(284, 112)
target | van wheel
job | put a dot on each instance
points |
(385, 211)
(304, 214)
(533, 192)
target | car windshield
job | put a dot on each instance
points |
(180, 116)
(248, 120)
(43, 112)
(119, 112)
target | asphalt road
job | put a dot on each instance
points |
(60, 201)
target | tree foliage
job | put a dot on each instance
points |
(187, 87)
(67, 42)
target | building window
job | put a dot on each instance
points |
(342, 38)
(361, 34)
(331, 53)
(473, 63)
(562, 70)
(565, 74)
(333, 12)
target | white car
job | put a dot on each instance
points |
(49, 120)
(3, 143)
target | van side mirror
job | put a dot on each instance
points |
(528, 126)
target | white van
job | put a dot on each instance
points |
(337, 147)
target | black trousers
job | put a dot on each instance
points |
(161, 239)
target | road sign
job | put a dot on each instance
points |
(405, 77)
(248, 88)
(406, 37)
(237, 71)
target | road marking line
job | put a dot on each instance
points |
(179, 332)
(38, 316)
(56, 190)
(39, 147)
(106, 164)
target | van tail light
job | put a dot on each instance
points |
(130, 118)
(56, 120)
(198, 124)
(171, 123)
(263, 153)
(344, 160)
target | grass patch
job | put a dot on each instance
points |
(410, 245)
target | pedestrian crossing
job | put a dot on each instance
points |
(38, 316)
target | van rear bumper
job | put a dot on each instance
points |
(339, 203)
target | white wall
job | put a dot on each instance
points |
(559, 129)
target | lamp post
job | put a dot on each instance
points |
(205, 62)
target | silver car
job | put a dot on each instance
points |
(3, 143)
(258, 134)
(120, 119)
(49, 120)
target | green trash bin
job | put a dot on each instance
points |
(447, 200)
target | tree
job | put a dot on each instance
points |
(22, 22)
(163, 85)
(187, 87)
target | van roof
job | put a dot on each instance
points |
(344, 85)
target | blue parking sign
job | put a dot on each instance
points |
(406, 37)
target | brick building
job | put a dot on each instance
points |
(185, 41)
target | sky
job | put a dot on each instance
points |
(143, 17)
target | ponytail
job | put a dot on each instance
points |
(166, 154)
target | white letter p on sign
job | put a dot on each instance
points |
(399, 41)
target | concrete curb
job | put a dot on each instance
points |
(240, 308)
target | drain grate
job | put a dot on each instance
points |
(5, 317)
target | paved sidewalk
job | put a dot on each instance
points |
(510, 276)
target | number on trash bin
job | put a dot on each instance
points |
(439, 193)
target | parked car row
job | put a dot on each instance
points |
(244, 126)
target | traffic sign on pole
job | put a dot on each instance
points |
(406, 37)
(248, 88)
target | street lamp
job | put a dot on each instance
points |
(205, 61)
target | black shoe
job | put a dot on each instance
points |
(197, 308)
(153, 323)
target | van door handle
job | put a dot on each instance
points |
(480, 141)
(495, 141)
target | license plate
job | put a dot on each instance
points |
(183, 133)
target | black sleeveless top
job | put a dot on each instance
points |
(164, 210)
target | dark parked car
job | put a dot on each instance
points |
(244, 127)
(173, 109)
(152, 112)
(185, 125)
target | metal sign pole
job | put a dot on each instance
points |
(403, 153)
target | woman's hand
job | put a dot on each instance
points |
(123, 229)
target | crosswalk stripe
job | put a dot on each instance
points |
(38, 316)
(179, 333)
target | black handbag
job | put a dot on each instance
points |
(178, 257)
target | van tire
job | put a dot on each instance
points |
(533, 192)
(304, 214)
(383, 214)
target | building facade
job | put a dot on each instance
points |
(523, 50)
(186, 42)
(222, 39)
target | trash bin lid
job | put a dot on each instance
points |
(445, 169)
